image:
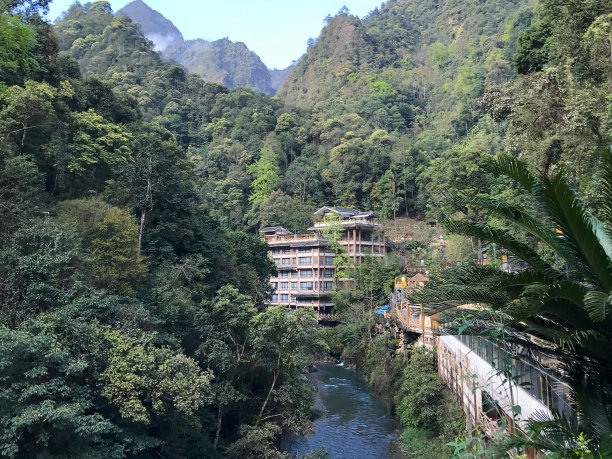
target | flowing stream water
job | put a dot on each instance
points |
(353, 424)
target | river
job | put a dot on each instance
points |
(354, 423)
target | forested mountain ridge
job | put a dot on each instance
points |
(404, 36)
(440, 77)
(221, 61)
(418, 93)
(414, 70)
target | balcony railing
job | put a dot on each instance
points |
(312, 293)
(541, 383)
(292, 238)
(348, 221)
(287, 265)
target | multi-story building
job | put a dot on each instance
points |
(306, 270)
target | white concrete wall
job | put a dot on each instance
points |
(487, 378)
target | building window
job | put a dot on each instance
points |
(366, 236)
(277, 261)
(306, 273)
(294, 285)
(366, 249)
(328, 273)
(328, 285)
(305, 250)
(305, 260)
(274, 298)
(294, 274)
(284, 285)
(329, 260)
(306, 286)
(284, 274)
(274, 285)
(286, 261)
(276, 251)
(284, 297)
(293, 298)
(286, 250)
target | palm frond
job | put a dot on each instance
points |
(597, 305)
(558, 434)
(562, 314)
(579, 228)
(536, 227)
(592, 396)
(504, 239)
(452, 295)
(605, 186)
(517, 170)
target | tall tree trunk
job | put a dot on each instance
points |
(143, 214)
(23, 135)
(265, 403)
(143, 217)
(219, 421)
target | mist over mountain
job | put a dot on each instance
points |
(221, 61)
(155, 26)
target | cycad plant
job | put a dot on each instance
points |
(561, 309)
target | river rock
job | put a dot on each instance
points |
(310, 368)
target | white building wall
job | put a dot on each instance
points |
(467, 373)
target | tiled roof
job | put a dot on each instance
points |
(418, 278)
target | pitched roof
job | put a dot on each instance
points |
(275, 229)
(344, 211)
(418, 278)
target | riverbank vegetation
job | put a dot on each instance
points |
(407, 382)
(409, 386)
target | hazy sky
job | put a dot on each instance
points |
(277, 30)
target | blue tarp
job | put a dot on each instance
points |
(384, 308)
(379, 312)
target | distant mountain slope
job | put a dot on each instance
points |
(155, 26)
(396, 44)
(222, 61)
(278, 76)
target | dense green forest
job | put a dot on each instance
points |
(419, 94)
(132, 324)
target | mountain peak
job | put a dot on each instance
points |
(223, 61)
(157, 28)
